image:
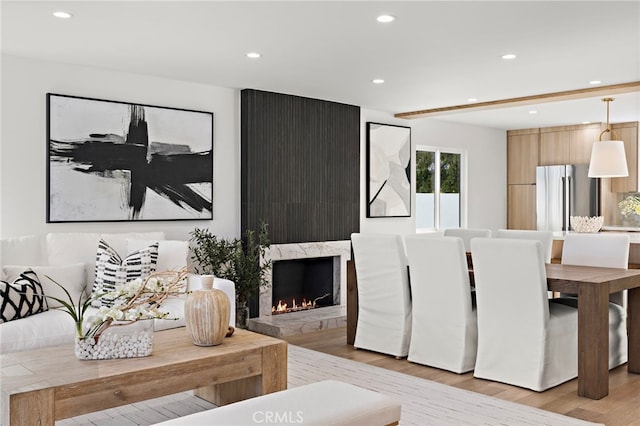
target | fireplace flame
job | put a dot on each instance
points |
(284, 307)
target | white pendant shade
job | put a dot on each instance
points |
(608, 160)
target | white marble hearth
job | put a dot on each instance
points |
(300, 322)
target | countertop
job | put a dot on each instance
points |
(634, 233)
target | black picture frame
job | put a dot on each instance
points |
(112, 161)
(388, 170)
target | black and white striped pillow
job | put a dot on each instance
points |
(21, 298)
(112, 270)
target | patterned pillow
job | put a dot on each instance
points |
(112, 270)
(21, 298)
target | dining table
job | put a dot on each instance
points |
(592, 286)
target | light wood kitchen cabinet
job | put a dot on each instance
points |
(522, 156)
(581, 141)
(568, 144)
(555, 147)
(521, 207)
(627, 132)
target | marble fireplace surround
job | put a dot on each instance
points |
(339, 250)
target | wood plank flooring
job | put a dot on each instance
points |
(620, 408)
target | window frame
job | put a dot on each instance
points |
(436, 201)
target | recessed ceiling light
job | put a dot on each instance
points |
(253, 55)
(377, 81)
(595, 82)
(62, 15)
(385, 18)
(472, 100)
(533, 111)
(509, 56)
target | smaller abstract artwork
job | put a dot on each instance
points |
(114, 161)
(388, 170)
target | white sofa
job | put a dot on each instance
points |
(70, 258)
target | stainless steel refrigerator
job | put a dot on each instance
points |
(564, 191)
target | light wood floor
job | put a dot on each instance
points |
(620, 408)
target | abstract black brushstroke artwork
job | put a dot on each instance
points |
(116, 161)
(388, 170)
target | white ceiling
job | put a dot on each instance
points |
(434, 54)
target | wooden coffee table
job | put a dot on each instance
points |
(44, 385)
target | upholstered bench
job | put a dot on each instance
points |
(323, 403)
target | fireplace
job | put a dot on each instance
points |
(316, 271)
(302, 284)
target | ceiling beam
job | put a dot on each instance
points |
(526, 100)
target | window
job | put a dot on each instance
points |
(440, 185)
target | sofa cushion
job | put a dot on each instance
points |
(28, 250)
(72, 277)
(68, 247)
(21, 298)
(172, 254)
(112, 270)
(50, 328)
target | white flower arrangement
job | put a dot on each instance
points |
(630, 206)
(134, 301)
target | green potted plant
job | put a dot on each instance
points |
(238, 260)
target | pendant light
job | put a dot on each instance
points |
(607, 157)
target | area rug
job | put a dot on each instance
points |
(424, 402)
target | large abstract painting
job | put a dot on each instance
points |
(388, 170)
(116, 161)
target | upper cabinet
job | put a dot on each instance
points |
(627, 132)
(567, 144)
(522, 156)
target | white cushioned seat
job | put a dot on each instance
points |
(325, 403)
(50, 328)
(604, 251)
(444, 329)
(467, 234)
(601, 250)
(523, 339)
(545, 238)
(384, 297)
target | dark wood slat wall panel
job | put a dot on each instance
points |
(300, 167)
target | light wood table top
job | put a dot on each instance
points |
(49, 384)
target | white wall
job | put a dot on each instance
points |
(23, 150)
(23, 147)
(487, 170)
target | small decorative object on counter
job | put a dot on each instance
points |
(586, 224)
(207, 314)
(630, 210)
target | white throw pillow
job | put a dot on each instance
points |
(112, 270)
(172, 254)
(72, 277)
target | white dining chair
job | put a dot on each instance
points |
(444, 331)
(605, 251)
(467, 234)
(523, 339)
(384, 299)
(545, 238)
(602, 250)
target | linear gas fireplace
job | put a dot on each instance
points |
(303, 284)
(305, 276)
